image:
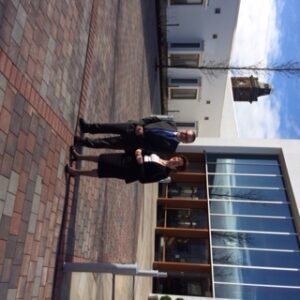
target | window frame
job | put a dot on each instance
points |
(181, 84)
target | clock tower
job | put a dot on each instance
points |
(249, 88)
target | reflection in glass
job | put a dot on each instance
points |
(256, 258)
(246, 181)
(256, 276)
(243, 159)
(242, 208)
(244, 169)
(252, 223)
(255, 292)
(255, 240)
(247, 194)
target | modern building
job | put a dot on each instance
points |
(200, 35)
(228, 227)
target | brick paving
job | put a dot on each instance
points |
(60, 59)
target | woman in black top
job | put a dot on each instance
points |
(138, 166)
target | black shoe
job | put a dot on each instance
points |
(72, 155)
(82, 125)
(67, 170)
(77, 141)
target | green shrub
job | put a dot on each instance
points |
(165, 298)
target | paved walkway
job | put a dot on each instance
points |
(60, 59)
(100, 286)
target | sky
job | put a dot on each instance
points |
(268, 33)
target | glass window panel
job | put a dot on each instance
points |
(252, 223)
(255, 292)
(183, 93)
(247, 194)
(190, 250)
(162, 190)
(256, 258)
(243, 159)
(187, 60)
(244, 168)
(246, 180)
(160, 216)
(242, 208)
(186, 190)
(255, 240)
(183, 283)
(187, 218)
(159, 248)
(256, 276)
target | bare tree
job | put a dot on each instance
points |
(289, 68)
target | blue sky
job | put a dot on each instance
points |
(268, 32)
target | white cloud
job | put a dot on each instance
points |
(257, 41)
(291, 126)
(257, 34)
(259, 120)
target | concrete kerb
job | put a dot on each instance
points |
(100, 286)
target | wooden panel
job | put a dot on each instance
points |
(182, 203)
(194, 157)
(183, 267)
(188, 177)
(182, 232)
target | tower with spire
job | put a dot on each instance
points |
(248, 89)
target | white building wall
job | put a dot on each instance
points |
(228, 128)
(197, 23)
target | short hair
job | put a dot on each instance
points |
(185, 162)
(193, 136)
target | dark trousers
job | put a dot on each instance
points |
(116, 142)
(115, 128)
(126, 138)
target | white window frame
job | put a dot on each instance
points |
(173, 86)
(196, 48)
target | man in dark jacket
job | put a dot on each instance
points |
(153, 134)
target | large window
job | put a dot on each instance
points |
(184, 88)
(183, 93)
(255, 245)
(184, 60)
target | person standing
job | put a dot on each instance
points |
(152, 134)
(140, 165)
